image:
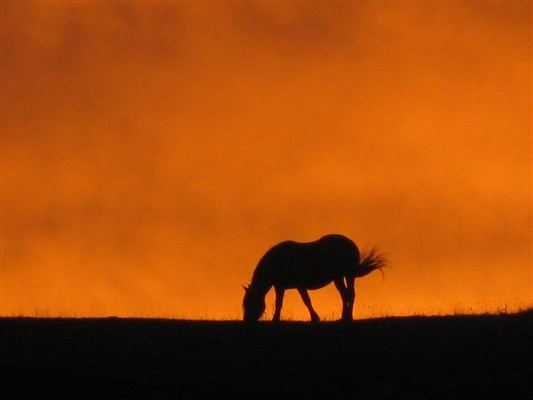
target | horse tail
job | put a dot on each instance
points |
(370, 261)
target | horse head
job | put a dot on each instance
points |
(253, 304)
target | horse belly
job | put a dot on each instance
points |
(316, 285)
(307, 266)
(305, 277)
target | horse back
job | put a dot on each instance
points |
(308, 265)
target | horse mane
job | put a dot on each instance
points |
(370, 261)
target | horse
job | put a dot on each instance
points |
(309, 266)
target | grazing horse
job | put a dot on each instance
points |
(308, 266)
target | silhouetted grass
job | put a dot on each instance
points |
(419, 357)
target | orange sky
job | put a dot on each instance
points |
(153, 152)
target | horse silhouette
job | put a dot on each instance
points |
(308, 266)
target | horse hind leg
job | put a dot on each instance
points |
(350, 290)
(307, 302)
(279, 303)
(347, 293)
(350, 298)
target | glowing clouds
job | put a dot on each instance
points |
(153, 152)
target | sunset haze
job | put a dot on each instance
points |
(153, 152)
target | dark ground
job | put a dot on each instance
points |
(458, 357)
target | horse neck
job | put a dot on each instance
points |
(260, 286)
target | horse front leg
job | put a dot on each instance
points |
(307, 302)
(279, 303)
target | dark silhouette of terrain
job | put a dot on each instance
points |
(413, 357)
(307, 266)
